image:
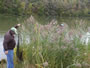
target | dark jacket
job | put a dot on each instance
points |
(9, 41)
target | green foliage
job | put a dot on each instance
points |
(21, 8)
(29, 9)
(45, 8)
(47, 45)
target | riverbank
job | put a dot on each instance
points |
(52, 44)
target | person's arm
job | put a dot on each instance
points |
(5, 43)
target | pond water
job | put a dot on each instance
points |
(6, 22)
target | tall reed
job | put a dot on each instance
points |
(52, 46)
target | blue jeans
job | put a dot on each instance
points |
(10, 63)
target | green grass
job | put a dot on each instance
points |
(52, 46)
(58, 47)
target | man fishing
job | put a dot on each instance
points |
(9, 44)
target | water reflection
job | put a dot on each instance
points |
(2, 55)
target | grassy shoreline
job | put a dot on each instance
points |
(53, 45)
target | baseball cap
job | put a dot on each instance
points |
(14, 29)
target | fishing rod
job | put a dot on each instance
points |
(18, 44)
(18, 53)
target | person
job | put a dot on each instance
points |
(9, 44)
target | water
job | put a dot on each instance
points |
(2, 55)
(6, 22)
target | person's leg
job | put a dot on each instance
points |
(10, 59)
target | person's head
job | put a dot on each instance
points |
(13, 30)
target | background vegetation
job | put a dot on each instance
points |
(46, 7)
